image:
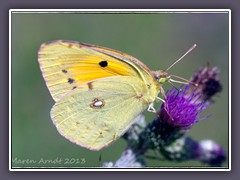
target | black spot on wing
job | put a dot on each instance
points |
(103, 63)
(90, 86)
(64, 71)
(70, 80)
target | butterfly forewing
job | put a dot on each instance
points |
(67, 65)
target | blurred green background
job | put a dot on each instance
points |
(156, 39)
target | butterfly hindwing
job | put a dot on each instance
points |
(97, 113)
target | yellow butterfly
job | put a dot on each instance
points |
(98, 91)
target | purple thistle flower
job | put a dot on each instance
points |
(208, 81)
(185, 148)
(182, 110)
(211, 153)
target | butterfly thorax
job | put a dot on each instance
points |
(149, 93)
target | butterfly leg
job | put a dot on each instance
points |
(151, 109)
(161, 99)
(165, 102)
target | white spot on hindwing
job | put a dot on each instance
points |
(97, 103)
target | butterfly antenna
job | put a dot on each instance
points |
(181, 57)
